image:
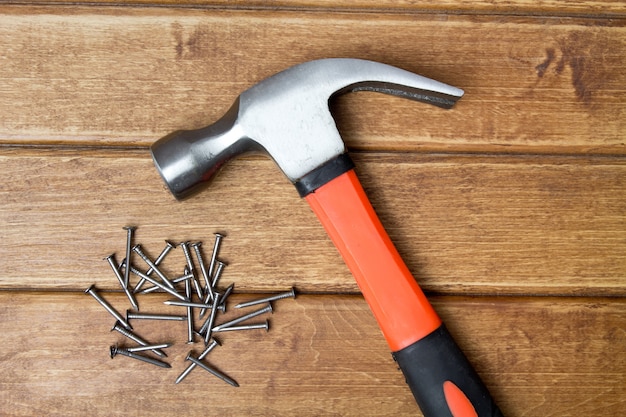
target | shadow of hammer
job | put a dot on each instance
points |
(287, 116)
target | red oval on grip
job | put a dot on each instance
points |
(459, 404)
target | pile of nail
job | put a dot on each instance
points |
(208, 298)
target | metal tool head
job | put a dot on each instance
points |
(287, 116)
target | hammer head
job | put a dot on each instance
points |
(286, 116)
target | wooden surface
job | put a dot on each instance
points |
(510, 209)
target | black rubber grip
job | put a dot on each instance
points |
(323, 174)
(436, 361)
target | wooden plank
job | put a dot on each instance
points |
(470, 224)
(126, 76)
(322, 355)
(604, 8)
(117, 78)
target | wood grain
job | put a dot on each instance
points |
(126, 76)
(324, 355)
(541, 225)
(605, 8)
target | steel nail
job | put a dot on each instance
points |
(238, 320)
(205, 274)
(148, 316)
(147, 260)
(148, 347)
(114, 267)
(174, 281)
(185, 247)
(265, 326)
(189, 314)
(129, 239)
(124, 352)
(218, 273)
(211, 320)
(287, 294)
(216, 248)
(135, 337)
(108, 307)
(168, 247)
(191, 366)
(158, 284)
(212, 371)
(207, 323)
(190, 304)
(227, 292)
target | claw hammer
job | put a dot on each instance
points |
(287, 116)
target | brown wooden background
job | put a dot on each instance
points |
(510, 209)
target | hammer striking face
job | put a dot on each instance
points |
(287, 117)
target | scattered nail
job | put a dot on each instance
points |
(213, 371)
(265, 326)
(124, 352)
(108, 307)
(286, 294)
(147, 316)
(238, 320)
(208, 298)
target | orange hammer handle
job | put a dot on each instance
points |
(441, 378)
(399, 305)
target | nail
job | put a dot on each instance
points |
(189, 313)
(129, 239)
(218, 273)
(147, 316)
(205, 274)
(115, 351)
(174, 281)
(135, 337)
(211, 320)
(114, 267)
(166, 281)
(204, 353)
(267, 309)
(216, 248)
(158, 284)
(215, 372)
(108, 307)
(185, 247)
(287, 294)
(265, 326)
(190, 304)
(208, 323)
(168, 247)
(227, 292)
(148, 347)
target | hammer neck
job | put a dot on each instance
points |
(324, 174)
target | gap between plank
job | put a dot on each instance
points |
(485, 12)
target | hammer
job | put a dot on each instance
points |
(287, 116)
